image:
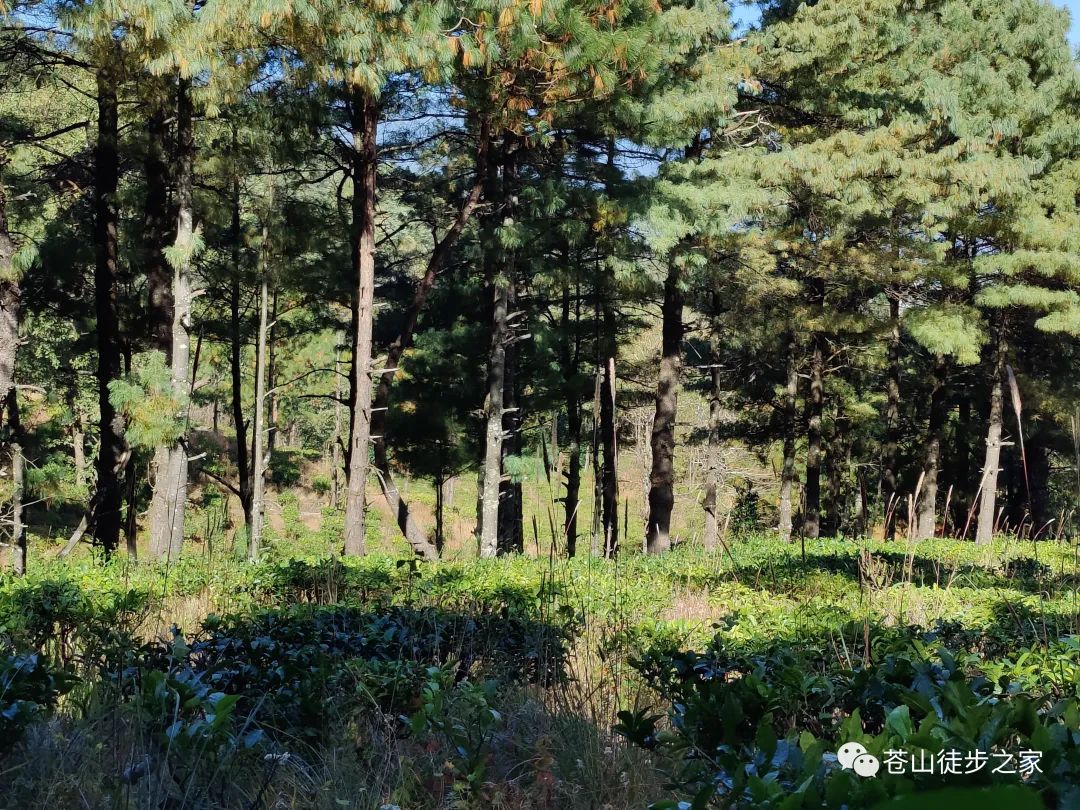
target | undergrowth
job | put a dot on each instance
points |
(692, 679)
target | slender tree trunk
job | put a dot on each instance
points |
(984, 532)
(18, 481)
(1038, 455)
(787, 472)
(170, 485)
(159, 293)
(77, 434)
(962, 474)
(258, 457)
(892, 419)
(131, 517)
(608, 427)
(511, 535)
(662, 475)
(712, 474)
(271, 386)
(836, 458)
(493, 416)
(365, 121)
(815, 407)
(112, 455)
(236, 361)
(440, 482)
(926, 525)
(10, 313)
(335, 442)
(571, 500)
(497, 282)
(10, 302)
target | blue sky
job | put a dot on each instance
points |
(1074, 8)
(748, 14)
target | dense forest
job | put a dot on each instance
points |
(321, 302)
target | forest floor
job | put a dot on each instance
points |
(312, 681)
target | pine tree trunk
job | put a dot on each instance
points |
(1038, 455)
(169, 500)
(271, 412)
(131, 517)
(834, 519)
(892, 419)
(608, 427)
(365, 120)
(10, 303)
(18, 479)
(662, 475)
(159, 293)
(572, 498)
(815, 407)
(493, 418)
(258, 430)
(236, 360)
(112, 455)
(497, 283)
(984, 532)
(712, 475)
(335, 441)
(440, 482)
(609, 472)
(787, 473)
(926, 525)
(511, 535)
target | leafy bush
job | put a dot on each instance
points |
(757, 730)
(28, 688)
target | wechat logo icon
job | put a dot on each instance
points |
(853, 757)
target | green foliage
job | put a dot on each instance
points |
(756, 731)
(153, 415)
(29, 688)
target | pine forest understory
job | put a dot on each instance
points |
(538, 403)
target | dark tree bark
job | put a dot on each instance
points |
(834, 517)
(10, 302)
(787, 472)
(10, 310)
(1038, 456)
(889, 450)
(926, 525)
(511, 535)
(608, 428)
(712, 474)
(440, 482)
(236, 360)
(258, 456)
(984, 531)
(18, 483)
(662, 475)
(156, 231)
(815, 406)
(169, 502)
(365, 121)
(571, 361)
(608, 440)
(497, 275)
(493, 434)
(107, 504)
